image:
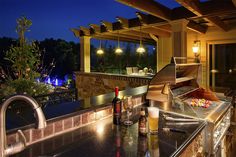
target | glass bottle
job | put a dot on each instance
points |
(142, 124)
(117, 107)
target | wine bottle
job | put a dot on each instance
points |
(116, 102)
(142, 124)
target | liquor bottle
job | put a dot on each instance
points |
(142, 123)
(117, 107)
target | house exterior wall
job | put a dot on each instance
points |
(213, 35)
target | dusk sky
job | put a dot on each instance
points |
(54, 18)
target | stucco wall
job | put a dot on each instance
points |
(213, 35)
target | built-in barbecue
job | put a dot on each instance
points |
(176, 89)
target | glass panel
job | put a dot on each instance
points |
(223, 66)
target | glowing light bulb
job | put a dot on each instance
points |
(140, 50)
(118, 50)
(100, 51)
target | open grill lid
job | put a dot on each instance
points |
(174, 80)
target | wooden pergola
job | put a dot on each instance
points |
(158, 21)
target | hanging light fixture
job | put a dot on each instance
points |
(140, 49)
(100, 50)
(118, 50)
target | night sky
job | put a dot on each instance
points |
(54, 18)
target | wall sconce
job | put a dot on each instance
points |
(100, 50)
(196, 50)
(140, 49)
(118, 50)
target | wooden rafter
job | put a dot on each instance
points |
(166, 28)
(155, 31)
(133, 37)
(194, 6)
(216, 8)
(136, 34)
(121, 38)
(142, 17)
(161, 30)
(108, 25)
(85, 31)
(76, 32)
(196, 27)
(149, 6)
(124, 22)
(96, 28)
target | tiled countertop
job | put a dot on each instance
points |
(103, 139)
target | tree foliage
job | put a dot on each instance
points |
(24, 57)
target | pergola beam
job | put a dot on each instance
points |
(123, 21)
(96, 28)
(142, 17)
(136, 34)
(216, 8)
(133, 37)
(85, 31)
(150, 7)
(196, 27)
(75, 32)
(124, 39)
(157, 32)
(194, 6)
(108, 25)
(166, 28)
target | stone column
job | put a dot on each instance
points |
(85, 54)
(179, 37)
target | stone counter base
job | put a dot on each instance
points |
(195, 148)
(92, 84)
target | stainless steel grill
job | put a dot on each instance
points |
(171, 89)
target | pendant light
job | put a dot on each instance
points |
(140, 49)
(100, 50)
(118, 50)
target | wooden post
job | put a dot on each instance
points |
(179, 37)
(85, 54)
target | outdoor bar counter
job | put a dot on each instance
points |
(103, 139)
(90, 132)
